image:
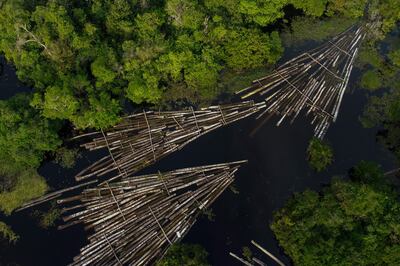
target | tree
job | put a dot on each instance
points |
(262, 12)
(185, 254)
(185, 13)
(57, 103)
(250, 48)
(349, 223)
(24, 136)
(350, 8)
(319, 154)
(371, 80)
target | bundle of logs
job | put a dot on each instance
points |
(142, 139)
(136, 219)
(314, 81)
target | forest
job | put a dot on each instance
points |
(89, 63)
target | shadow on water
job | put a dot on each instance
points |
(276, 169)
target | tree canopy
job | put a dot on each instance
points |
(84, 58)
(185, 254)
(24, 136)
(352, 222)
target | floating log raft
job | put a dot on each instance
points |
(314, 81)
(136, 219)
(143, 138)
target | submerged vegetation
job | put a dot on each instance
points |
(48, 218)
(319, 154)
(352, 222)
(66, 157)
(7, 233)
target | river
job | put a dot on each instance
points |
(276, 169)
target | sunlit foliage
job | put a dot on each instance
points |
(24, 136)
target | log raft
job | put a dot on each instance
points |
(313, 82)
(136, 219)
(144, 138)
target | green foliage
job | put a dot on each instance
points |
(370, 56)
(349, 8)
(7, 233)
(350, 223)
(388, 11)
(29, 185)
(262, 12)
(66, 157)
(395, 57)
(84, 58)
(49, 218)
(24, 136)
(249, 48)
(319, 154)
(185, 254)
(371, 80)
(315, 8)
(186, 14)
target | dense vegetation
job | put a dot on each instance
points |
(185, 254)
(352, 222)
(85, 57)
(25, 138)
(319, 154)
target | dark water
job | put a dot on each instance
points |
(9, 83)
(276, 168)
